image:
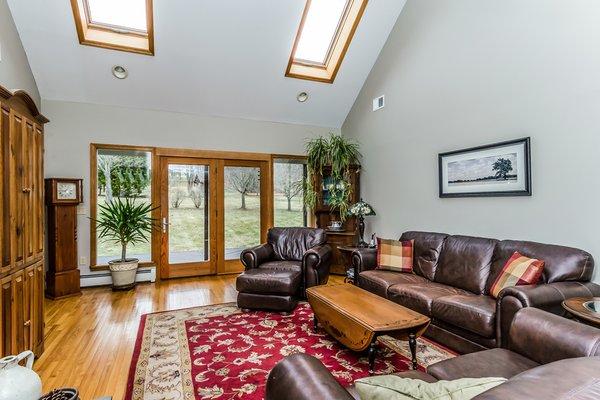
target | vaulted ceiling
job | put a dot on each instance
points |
(213, 57)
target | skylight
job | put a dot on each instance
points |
(125, 25)
(319, 30)
(324, 35)
(124, 14)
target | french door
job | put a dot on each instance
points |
(211, 209)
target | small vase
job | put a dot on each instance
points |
(17, 382)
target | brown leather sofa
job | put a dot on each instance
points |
(277, 272)
(452, 279)
(546, 357)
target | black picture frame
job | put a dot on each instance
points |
(525, 142)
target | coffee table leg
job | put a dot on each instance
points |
(315, 324)
(412, 342)
(372, 353)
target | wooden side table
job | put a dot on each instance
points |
(346, 253)
(579, 307)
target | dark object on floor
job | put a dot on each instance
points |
(61, 394)
(278, 272)
(547, 357)
(452, 279)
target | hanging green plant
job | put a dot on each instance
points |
(338, 153)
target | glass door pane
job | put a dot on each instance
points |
(188, 213)
(288, 192)
(242, 209)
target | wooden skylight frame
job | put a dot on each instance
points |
(326, 72)
(112, 37)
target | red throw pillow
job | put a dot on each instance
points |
(518, 270)
(395, 255)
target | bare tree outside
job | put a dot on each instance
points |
(105, 165)
(288, 181)
(195, 184)
(244, 180)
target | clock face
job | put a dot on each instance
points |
(66, 191)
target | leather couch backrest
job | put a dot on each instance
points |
(545, 337)
(427, 248)
(465, 262)
(560, 263)
(291, 243)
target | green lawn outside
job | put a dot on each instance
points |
(242, 227)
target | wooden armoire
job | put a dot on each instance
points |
(21, 224)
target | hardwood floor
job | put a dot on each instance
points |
(90, 339)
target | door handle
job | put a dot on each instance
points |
(165, 225)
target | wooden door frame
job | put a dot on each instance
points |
(225, 267)
(192, 268)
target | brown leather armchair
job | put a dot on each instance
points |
(279, 271)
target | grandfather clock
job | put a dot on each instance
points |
(62, 198)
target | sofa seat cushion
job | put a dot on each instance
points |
(494, 362)
(471, 312)
(265, 281)
(420, 296)
(378, 281)
(282, 265)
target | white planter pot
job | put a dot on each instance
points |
(123, 273)
(17, 382)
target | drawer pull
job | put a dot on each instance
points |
(27, 323)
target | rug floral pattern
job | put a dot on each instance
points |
(218, 352)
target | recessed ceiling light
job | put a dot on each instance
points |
(119, 72)
(302, 97)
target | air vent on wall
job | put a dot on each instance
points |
(378, 103)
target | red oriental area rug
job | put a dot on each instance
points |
(219, 352)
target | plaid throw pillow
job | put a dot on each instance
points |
(518, 270)
(395, 255)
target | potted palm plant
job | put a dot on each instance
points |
(124, 223)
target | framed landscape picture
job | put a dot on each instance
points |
(500, 169)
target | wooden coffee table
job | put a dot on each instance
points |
(576, 306)
(356, 317)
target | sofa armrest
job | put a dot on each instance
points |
(254, 256)
(363, 260)
(548, 297)
(316, 262)
(303, 377)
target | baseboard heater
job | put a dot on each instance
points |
(104, 279)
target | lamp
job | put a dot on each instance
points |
(360, 210)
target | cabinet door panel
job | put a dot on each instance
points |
(28, 306)
(27, 192)
(17, 332)
(16, 190)
(37, 314)
(38, 188)
(5, 316)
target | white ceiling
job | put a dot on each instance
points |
(213, 57)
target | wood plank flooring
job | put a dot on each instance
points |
(90, 338)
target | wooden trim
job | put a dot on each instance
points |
(300, 69)
(91, 34)
(94, 147)
(214, 154)
(22, 102)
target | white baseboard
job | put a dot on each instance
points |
(144, 274)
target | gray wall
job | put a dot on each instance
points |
(15, 72)
(73, 126)
(462, 73)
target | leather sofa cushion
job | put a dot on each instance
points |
(378, 281)
(496, 362)
(560, 263)
(420, 296)
(570, 379)
(426, 251)
(465, 262)
(292, 243)
(264, 281)
(282, 265)
(474, 313)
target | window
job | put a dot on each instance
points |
(119, 173)
(325, 33)
(125, 25)
(288, 196)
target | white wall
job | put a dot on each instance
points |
(462, 73)
(15, 72)
(73, 126)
